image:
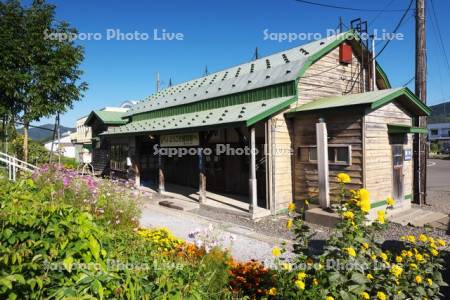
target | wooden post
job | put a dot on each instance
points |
(161, 187)
(252, 173)
(420, 140)
(322, 163)
(202, 175)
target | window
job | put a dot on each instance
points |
(434, 132)
(119, 154)
(337, 154)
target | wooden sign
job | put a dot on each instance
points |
(179, 140)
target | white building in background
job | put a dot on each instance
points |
(440, 133)
(63, 147)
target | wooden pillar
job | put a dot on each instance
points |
(252, 173)
(322, 164)
(161, 187)
(202, 178)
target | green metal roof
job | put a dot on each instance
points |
(107, 117)
(401, 128)
(243, 114)
(374, 100)
(267, 71)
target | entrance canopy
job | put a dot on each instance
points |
(245, 114)
(372, 100)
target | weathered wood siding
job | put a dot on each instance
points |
(327, 77)
(344, 127)
(379, 174)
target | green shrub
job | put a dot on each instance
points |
(37, 153)
(354, 265)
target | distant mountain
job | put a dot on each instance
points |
(42, 134)
(440, 113)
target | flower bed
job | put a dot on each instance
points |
(65, 235)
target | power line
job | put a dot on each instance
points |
(396, 28)
(436, 22)
(409, 81)
(349, 8)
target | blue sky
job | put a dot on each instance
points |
(221, 34)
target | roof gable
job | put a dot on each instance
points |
(106, 117)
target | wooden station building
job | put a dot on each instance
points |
(304, 114)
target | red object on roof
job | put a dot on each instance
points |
(345, 54)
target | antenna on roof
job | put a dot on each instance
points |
(170, 81)
(341, 25)
(158, 82)
(206, 70)
(256, 53)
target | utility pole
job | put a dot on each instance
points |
(420, 140)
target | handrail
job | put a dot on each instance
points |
(14, 163)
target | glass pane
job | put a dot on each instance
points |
(312, 153)
(342, 154)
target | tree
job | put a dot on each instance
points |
(39, 74)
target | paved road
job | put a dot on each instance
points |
(247, 245)
(438, 184)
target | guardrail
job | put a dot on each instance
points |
(13, 164)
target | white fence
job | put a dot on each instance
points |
(13, 164)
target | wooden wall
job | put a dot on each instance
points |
(326, 77)
(344, 127)
(379, 153)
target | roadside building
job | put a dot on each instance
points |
(82, 139)
(63, 146)
(440, 133)
(291, 110)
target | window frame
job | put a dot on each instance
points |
(330, 162)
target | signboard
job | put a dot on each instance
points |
(179, 140)
(407, 154)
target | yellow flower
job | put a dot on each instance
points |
(291, 207)
(383, 256)
(306, 202)
(365, 295)
(373, 257)
(369, 276)
(419, 257)
(343, 178)
(364, 198)
(276, 251)
(409, 253)
(390, 201)
(289, 224)
(348, 215)
(418, 279)
(315, 281)
(411, 239)
(381, 296)
(396, 270)
(329, 298)
(351, 251)
(423, 238)
(398, 259)
(365, 245)
(413, 266)
(434, 252)
(301, 275)
(287, 266)
(430, 281)
(272, 291)
(441, 243)
(300, 284)
(380, 217)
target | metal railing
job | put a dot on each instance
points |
(13, 164)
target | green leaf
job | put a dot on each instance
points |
(68, 261)
(359, 278)
(94, 246)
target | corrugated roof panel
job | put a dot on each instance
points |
(226, 115)
(284, 67)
